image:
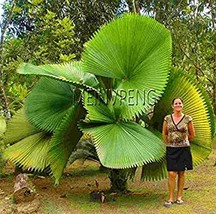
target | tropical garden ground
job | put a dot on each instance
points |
(72, 195)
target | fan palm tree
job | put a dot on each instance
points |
(124, 73)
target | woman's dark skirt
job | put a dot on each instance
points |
(179, 158)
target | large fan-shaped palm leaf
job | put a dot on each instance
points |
(2, 126)
(27, 142)
(30, 152)
(64, 141)
(135, 51)
(49, 101)
(195, 105)
(18, 128)
(69, 72)
(52, 106)
(120, 144)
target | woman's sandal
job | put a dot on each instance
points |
(179, 202)
(168, 204)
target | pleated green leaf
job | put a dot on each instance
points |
(199, 153)
(31, 152)
(98, 111)
(69, 72)
(195, 105)
(135, 51)
(154, 171)
(124, 144)
(18, 128)
(2, 126)
(64, 141)
(49, 101)
(209, 107)
(214, 129)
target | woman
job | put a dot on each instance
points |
(178, 131)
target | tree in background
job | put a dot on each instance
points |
(46, 31)
(87, 16)
(192, 25)
(3, 26)
(193, 32)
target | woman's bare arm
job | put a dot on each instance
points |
(165, 133)
(191, 131)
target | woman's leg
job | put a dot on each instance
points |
(181, 181)
(171, 184)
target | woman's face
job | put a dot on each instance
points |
(177, 105)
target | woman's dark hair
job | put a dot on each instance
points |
(175, 99)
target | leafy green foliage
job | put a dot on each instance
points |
(64, 141)
(87, 17)
(124, 144)
(41, 23)
(2, 126)
(197, 21)
(30, 152)
(50, 39)
(154, 171)
(194, 53)
(2, 131)
(115, 55)
(49, 102)
(19, 128)
(26, 139)
(116, 52)
(67, 72)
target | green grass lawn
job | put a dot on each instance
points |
(72, 195)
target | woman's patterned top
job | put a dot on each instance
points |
(178, 132)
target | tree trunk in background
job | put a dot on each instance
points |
(130, 5)
(133, 6)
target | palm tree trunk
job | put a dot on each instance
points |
(118, 181)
